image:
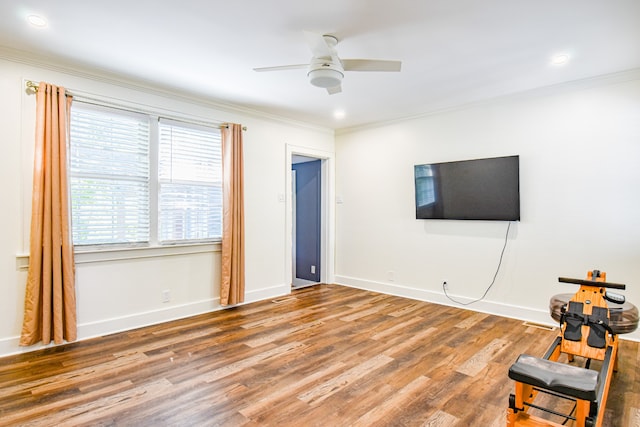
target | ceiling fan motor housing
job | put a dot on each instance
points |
(325, 73)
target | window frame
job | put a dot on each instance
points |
(159, 181)
(153, 247)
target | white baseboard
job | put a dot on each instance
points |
(526, 314)
(266, 293)
(9, 346)
(491, 307)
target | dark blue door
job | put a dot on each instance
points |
(308, 187)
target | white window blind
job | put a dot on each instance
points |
(189, 182)
(109, 176)
(135, 179)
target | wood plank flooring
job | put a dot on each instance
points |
(325, 356)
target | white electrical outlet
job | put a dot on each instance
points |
(166, 295)
(313, 269)
(391, 275)
(444, 285)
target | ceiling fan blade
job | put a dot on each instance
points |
(334, 90)
(318, 45)
(370, 65)
(282, 68)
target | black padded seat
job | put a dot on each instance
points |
(569, 380)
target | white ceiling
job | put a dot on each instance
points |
(453, 52)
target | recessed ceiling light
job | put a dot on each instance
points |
(339, 114)
(37, 21)
(560, 59)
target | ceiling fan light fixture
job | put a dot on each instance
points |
(560, 59)
(326, 69)
(325, 77)
(37, 21)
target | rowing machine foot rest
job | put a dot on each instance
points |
(574, 320)
(623, 318)
(569, 380)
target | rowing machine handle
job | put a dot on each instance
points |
(592, 283)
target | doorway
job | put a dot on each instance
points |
(306, 191)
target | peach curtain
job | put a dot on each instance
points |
(50, 299)
(232, 281)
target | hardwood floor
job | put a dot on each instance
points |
(325, 356)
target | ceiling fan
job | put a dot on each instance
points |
(326, 69)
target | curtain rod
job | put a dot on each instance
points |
(34, 86)
(226, 126)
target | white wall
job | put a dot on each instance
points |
(126, 293)
(579, 148)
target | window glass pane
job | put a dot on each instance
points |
(109, 211)
(109, 176)
(190, 191)
(189, 154)
(190, 212)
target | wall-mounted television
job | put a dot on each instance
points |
(480, 189)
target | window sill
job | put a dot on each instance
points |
(87, 256)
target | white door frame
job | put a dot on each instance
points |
(327, 215)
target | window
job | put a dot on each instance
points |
(139, 180)
(190, 177)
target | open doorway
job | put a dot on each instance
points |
(325, 268)
(306, 197)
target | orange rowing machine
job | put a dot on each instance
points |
(587, 331)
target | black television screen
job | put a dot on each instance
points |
(481, 189)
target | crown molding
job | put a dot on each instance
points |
(554, 89)
(103, 76)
